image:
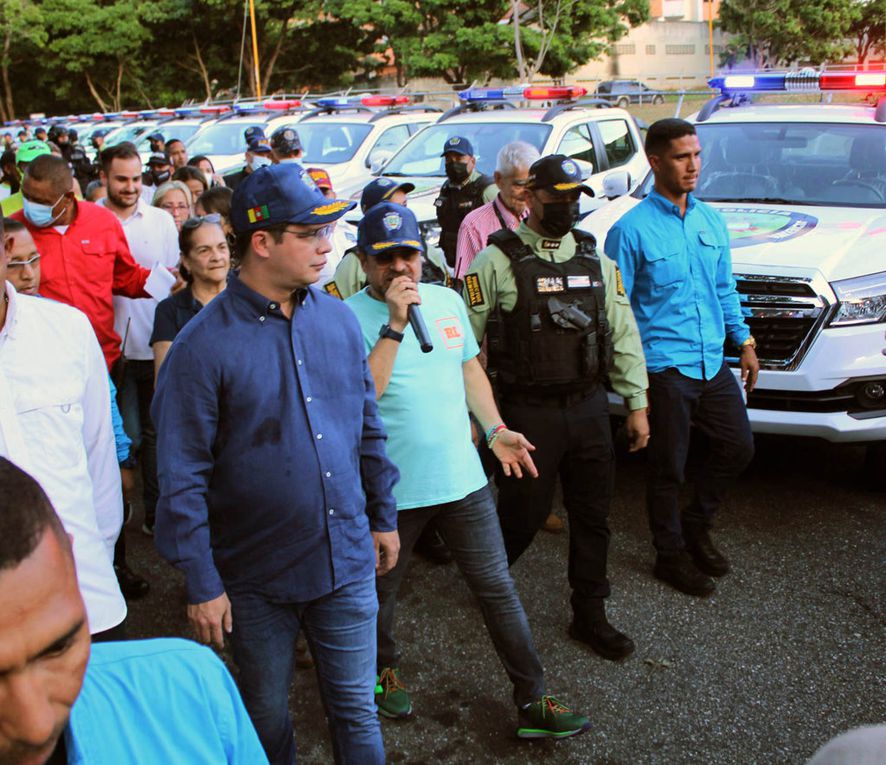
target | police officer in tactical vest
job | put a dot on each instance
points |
(558, 325)
(464, 189)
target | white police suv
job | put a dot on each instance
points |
(596, 135)
(803, 190)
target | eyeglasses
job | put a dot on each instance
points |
(22, 263)
(198, 220)
(317, 234)
(170, 207)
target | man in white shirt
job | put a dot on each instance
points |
(153, 239)
(55, 423)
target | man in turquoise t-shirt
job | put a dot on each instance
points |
(424, 399)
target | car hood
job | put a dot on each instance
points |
(841, 243)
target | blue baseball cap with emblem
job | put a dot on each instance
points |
(158, 136)
(381, 190)
(457, 145)
(259, 145)
(282, 194)
(557, 174)
(388, 226)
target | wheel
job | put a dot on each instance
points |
(657, 100)
(875, 465)
(623, 102)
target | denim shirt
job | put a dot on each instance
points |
(271, 455)
(677, 270)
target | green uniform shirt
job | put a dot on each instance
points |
(490, 282)
(349, 277)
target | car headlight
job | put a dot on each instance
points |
(862, 300)
(431, 231)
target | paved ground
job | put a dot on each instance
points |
(788, 653)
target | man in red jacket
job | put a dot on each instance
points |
(84, 255)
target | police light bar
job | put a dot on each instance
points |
(188, 112)
(529, 93)
(806, 80)
(384, 100)
(130, 115)
(283, 104)
(343, 102)
(111, 115)
(213, 109)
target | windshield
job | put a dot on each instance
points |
(182, 132)
(222, 138)
(794, 163)
(330, 143)
(421, 156)
(127, 133)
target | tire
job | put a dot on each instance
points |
(657, 100)
(875, 465)
(623, 102)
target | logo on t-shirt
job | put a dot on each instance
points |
(451, 332)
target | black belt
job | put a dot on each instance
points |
(552, 400)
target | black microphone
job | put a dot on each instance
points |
(418, 326)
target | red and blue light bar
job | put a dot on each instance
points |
(343, 102)
(806, 81)
(528, 93)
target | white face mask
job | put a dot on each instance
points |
(208, 176)
(259, 161)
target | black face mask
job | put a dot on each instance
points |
(160, 177)
(457, 172)
(559, 218)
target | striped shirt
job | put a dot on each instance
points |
(476, 228)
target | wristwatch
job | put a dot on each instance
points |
(750, 342)
(391, 334)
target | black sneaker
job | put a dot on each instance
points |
(602, 637)
(549, 718)
(700, 547)
(678, 570)
(131, 584)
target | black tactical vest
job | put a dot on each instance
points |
(556, 340)
(452, 206)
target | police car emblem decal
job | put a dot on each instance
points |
(749, 226)
(392, 221)
(569, 167)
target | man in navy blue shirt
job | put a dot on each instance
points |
(275, 488)
(673, 252)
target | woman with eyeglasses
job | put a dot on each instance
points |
(205, 262)
(175, 197)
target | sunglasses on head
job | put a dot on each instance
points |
(198, 220)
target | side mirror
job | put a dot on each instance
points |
(616, 184)
(378, 159)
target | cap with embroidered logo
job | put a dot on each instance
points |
(285, 141)
(457, 145)
(158, 158)
(381, 190)
(557, 174)
(282, 194)
(388, 226)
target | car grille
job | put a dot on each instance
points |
(784, 314)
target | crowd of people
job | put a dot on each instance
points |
(302, 410)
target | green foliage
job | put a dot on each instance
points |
(784, 31)
(869, 30)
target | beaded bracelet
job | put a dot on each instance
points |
(493, 433)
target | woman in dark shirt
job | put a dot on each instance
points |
(205, 262)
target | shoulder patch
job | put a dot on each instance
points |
(474, 290)
(332, 289)
(550, 244)
(619, 284)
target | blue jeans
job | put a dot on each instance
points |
(717, 409)
(340, 628)
(134, 399)
(472, 533)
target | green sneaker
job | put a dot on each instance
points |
(549, 718)
(391, 697)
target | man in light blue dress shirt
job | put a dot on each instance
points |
(673, 252)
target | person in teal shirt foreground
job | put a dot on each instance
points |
(423, 400)
(64, 701)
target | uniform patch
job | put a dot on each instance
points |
(550, 244)
(619, 284)
(578, 282)
(549, 284)
(475, 291)
(258, 214)
(332, 289)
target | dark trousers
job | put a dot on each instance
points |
(573, 442)
(716, 408)
(134, 399)
(470, 529)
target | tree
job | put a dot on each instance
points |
(779, 32)
(23, 33)
(554, 37)
(869, 30)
